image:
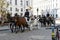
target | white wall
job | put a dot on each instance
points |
(18, 6)
(43, 5)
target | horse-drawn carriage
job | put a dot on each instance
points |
(17, 22)
(46, 21)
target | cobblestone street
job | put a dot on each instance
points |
(41, 34)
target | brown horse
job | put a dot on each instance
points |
(19, 22)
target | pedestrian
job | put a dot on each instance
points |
(57, 34)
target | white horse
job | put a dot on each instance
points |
(34, 24)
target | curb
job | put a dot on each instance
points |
(4, 29)
(50, 28)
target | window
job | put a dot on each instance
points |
(15, 2)
(10, 1)
(21, 2)
(53, 5)
(16, 9)
(56, 4)
(27, 3)
(53, 0)
(10, 8)
(21, 9)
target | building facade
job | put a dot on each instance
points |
(51, 6)
(19, 6)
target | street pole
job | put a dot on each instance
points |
(37, 11)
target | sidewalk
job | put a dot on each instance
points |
(2, 28)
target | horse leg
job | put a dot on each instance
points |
(41, 24)
(11, 27)
(48, 24)
(27, 27)
(22, 29)
(44, 24)
(15, 27)
(19, 27)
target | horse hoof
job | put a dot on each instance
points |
(22, 31)
(16, 32)
(11, 31)
(29, 30)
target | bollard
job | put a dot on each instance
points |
(53, 36)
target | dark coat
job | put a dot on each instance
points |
(26, 14)
(47, 14)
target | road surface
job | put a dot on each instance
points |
(41, 34)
